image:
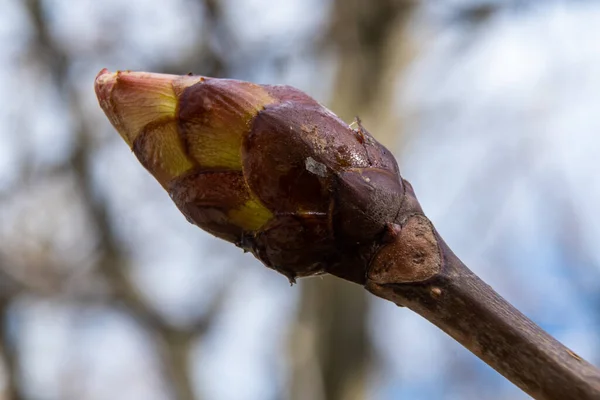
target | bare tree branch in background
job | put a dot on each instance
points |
(206, 57)
(174, 343)
(578, 263)
(8, 290)
(372, 48)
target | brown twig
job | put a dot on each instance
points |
(416, 269)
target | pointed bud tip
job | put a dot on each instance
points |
(103, 72)
(103, 85)
(132, 100)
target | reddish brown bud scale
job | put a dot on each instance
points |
(288, 94)
(301, 147)
(207, 197)
(296, 245)
(376, 195)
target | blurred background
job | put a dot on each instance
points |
(106, 292)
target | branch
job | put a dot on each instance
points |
(466, 308)
(173, 342)
(272, 171)
(8, 353)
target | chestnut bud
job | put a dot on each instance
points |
(265, 167)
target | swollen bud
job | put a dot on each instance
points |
(265, 167)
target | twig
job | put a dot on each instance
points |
(419, 271)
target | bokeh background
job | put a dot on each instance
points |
(106, 292)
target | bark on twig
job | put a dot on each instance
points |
(419, 271)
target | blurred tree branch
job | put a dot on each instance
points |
(174, 343)
(8, 290)
(206, 55)
(372, 48)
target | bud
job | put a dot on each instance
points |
(265, 167)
